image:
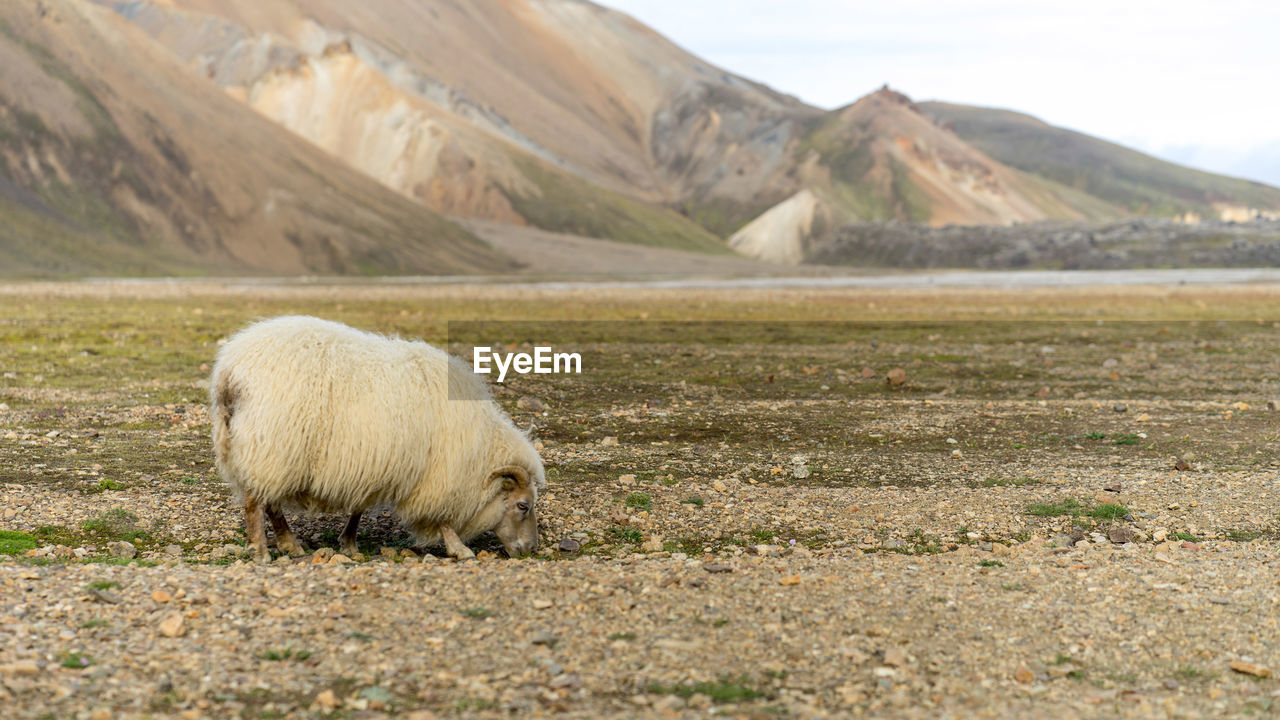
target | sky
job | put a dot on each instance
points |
(1193, 82)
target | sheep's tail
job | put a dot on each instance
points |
(224, 400)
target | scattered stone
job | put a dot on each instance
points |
(339, 559)
(322, 556)
(717, 568)
(541, 604)
(895, 657)
(173, 550)
(609, 441)
(1114, 487)
(326, 701)
(1248, 668)
(19, 669)
(626, 479)
(122, 549)
(173, 626)
(1024, 675)
(1181, 465)
(789, 580)
(868, 373)
(569, 545)
(896, 377)
(105, 596)
(1120, 534)
(1120, 408)
(161, 596)
(530, 403)
(543, 638)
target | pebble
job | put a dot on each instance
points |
(896, 377)
(1249, 668)
(173, 626)
(569, 545)
(530, 403)
(717, 568)
(122, 549)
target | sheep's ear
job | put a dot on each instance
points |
(513, 476)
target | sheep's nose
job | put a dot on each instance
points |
(520, 548)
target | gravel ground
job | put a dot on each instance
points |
(1029, 525)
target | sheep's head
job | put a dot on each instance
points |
(517, 501)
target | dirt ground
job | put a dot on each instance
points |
(761, 503)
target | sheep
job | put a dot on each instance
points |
(315, 415)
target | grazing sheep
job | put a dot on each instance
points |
(315, 415)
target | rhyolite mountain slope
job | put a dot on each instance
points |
(572, 117)
(113, 161)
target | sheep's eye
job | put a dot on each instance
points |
(522, 506)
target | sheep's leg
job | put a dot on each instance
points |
(254, 531)
(347, 542)
(454, 545)
(285, 539)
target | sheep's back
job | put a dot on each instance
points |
(329, 417)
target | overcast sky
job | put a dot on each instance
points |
(1193, 82)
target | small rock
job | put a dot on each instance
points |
(716, 568)
(122, 549)
(161, 596)
(868, 373)
(800, 472)
(100, 713)
(1170, 684)
(339, 559)
(1188, 545)
(1120, 534)
(609, 441)
(530, 403)
(388, 552)
(105, 596)
(719, 486)
(325, 701)
(1114, 487)
(789, 580)
(173, 550)
(1181, 465)
(1120, 408)
(541, 604)
(896, 377)
(173, 626)
(652, 544)
(1024, 675)
(626, 479)
(895, 657)
(569, 545)
(322, 556)
(1271, 405)
(18, 669)
(542, 638)
(1249, 668)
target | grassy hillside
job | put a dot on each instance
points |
(1115, 174)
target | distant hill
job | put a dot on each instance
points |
(114, 161)
(1136, 183)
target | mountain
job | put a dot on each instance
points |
(1137, 183)
(112, 161)
(564, 116)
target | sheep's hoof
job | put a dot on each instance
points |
(465, 556)
(294, 549)
(262, 557)
(349, 550)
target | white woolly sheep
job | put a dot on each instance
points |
(315, 415)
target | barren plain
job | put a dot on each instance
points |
(762, 503)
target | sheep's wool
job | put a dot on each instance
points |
(316, 415)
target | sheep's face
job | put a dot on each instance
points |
(517, 501)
